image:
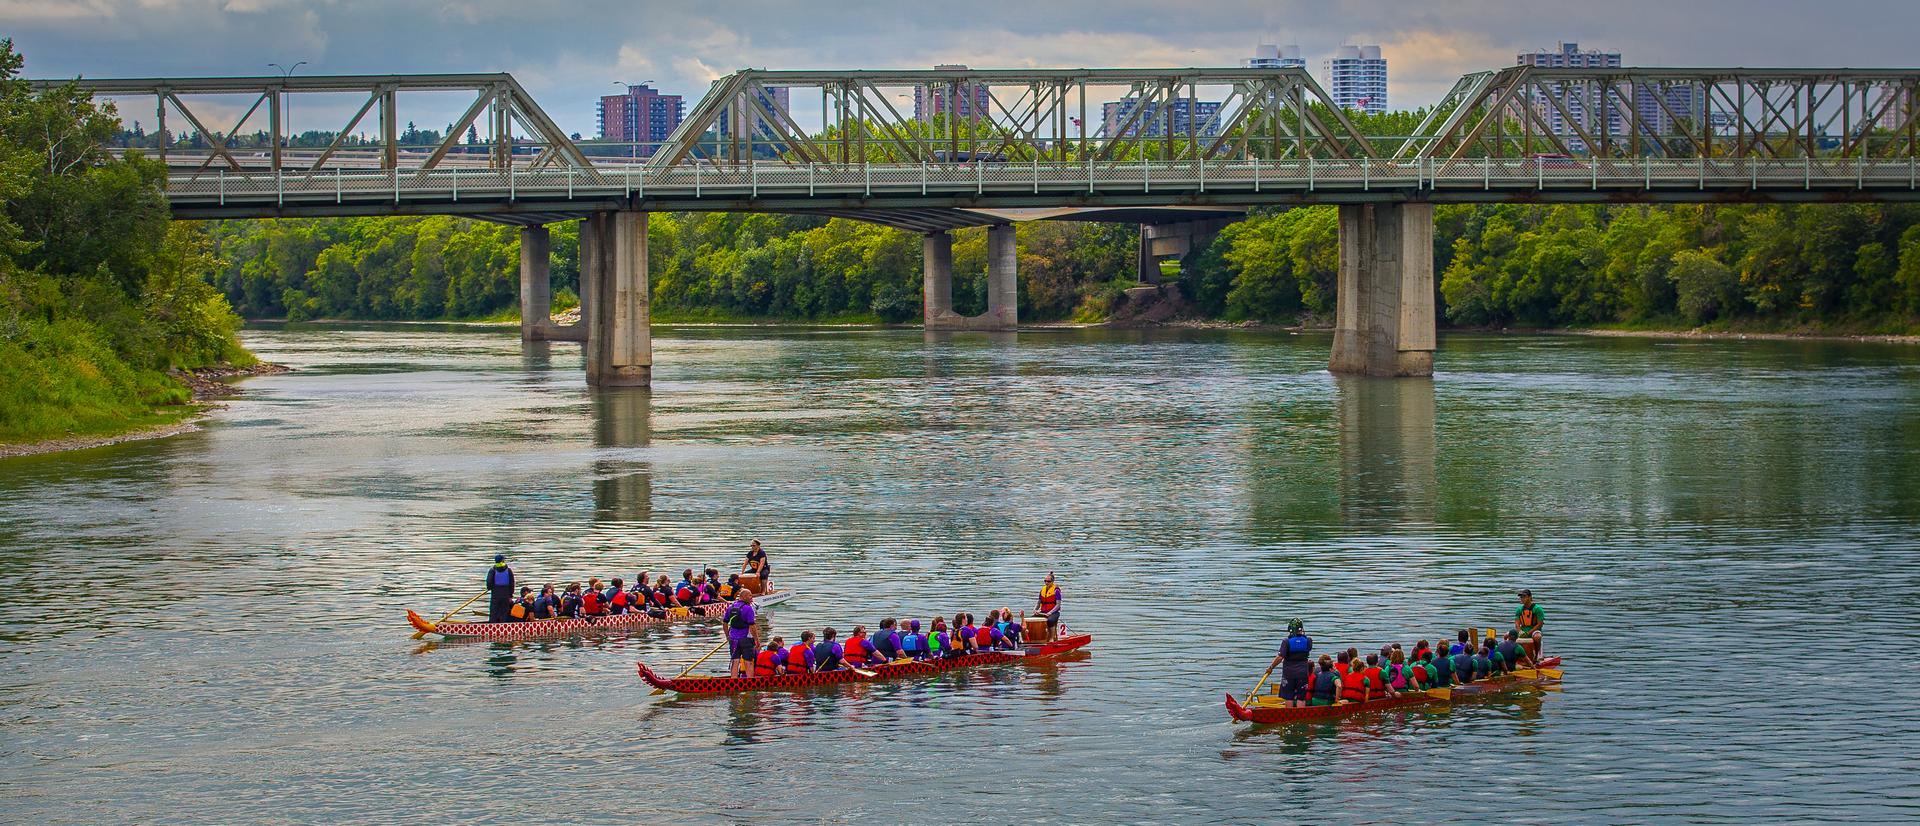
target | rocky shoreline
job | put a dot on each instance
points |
(209, 385)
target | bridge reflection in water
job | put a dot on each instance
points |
(622, 485)
(1387, 451)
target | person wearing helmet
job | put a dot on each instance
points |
(1296, 654)
(499, 590)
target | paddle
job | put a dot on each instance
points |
(696, 664)
(463, 606)
(1263, 681)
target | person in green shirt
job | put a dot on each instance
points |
(1529, 620)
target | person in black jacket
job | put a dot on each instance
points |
(499, 590)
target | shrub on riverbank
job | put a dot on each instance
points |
(100, 293)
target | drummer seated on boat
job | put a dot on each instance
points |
(800, 656)
(767, 663)
(1530, 621)
(827, 654)
(757, 563)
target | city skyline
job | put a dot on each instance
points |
(570, 60)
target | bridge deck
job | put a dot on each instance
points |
(777, 186)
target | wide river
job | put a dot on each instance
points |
(1725, 537)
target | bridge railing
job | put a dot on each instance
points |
(731, 186)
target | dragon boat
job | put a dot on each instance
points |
(1270, 709)
(540, 629)
(888, 671)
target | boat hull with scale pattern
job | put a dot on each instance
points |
(1262, 713)
(542, 629)
(889, 671)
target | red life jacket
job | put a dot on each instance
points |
(1355, 685)
(659, 597)
(621, 600)
(590, 602)
(856, 650)
(797, 657)
(766, 663)
(685, 595)
(983, 637)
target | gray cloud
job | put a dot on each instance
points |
(569, 53)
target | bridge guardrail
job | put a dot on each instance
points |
(1064, 179)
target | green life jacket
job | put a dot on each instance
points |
(933, 643)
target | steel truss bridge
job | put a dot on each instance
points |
(849, 143)
(938, 150)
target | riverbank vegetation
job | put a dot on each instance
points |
(101, 294)
(1843, 268)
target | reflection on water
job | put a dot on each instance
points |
(622, 487)
(1683, 509)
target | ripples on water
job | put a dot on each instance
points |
(1723, 534)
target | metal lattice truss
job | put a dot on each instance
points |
(516, 129)
(1674, 113)
(962, 117)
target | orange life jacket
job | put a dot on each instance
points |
(518, 611)
(766, 663)
(855, 650)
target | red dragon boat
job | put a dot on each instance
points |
(1269, 709)
(889, 671)
(540, 629)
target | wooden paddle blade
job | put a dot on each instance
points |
(1550, 673)
(1440, 693)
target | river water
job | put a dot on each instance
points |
(1725, 537)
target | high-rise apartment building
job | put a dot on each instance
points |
(1270, 56)
(1571, 109)
(962, 99)
(1357, 79)
(643, 115)
(774, 99)
(1190, 116)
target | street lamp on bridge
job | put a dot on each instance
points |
(286, 102)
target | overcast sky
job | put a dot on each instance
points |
(568, 53)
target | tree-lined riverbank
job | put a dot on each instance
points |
(101, 294)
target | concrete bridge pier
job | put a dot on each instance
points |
(1385, 320)
(1003, 283)
(536, 290)
(615, 301)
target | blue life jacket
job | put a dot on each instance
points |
(500, 578)
(1299, 644)
(910, 643)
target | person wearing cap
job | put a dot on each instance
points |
(499, 590)
(1296, 653)
(1529, 620)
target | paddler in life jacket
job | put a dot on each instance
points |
(1324, 688)
(857, 649)
(1010, 629)
(617, 598)
(547, 605)
(684, 592)
(731, 588)
(828, 655)
(800, 656)
(1048, 605)
(712, 589)
(886, 643)
(913, 644)
(740, 619)
(767, 663)
(1512, 654)
(499, 590)
(522, 610)
(570, 601)
(1530, 621)
(1295, 652)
